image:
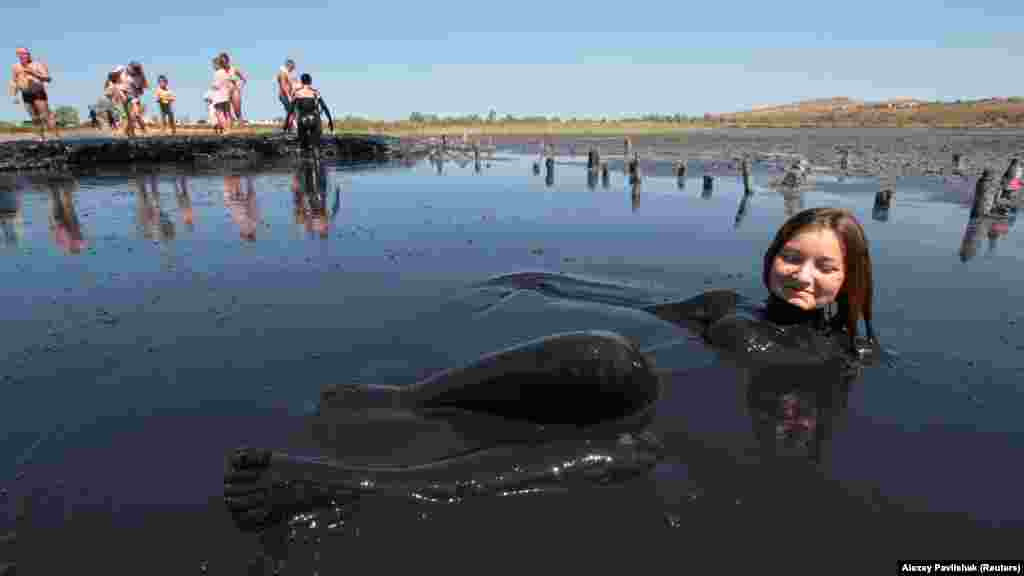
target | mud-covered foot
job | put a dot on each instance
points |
(247, 488)
(258, 495)
(8, 542)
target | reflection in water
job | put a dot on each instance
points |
(709, 185)
(591, 179)
(310, 189)
(883, 200)
(793, 201)
(64, 224)
(549, 178)
(634, 193)
(796, 416)
(741, 212)
(241, 205)
(12, 222)
(992, 214)
(153, 223)
(181, 194)
(993, 227)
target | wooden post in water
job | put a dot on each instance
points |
(709, 186)
(549, 177)
(958, 166)
(633, 168)
(748, 188)
(883, 200)
(844, 160)
(741, 213)
(984, 194)
(627, 148)
(605, 178)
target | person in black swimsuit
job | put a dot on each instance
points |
(306, 107)
(801, 346)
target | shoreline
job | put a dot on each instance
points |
(885, 153)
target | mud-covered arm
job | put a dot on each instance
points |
(323, 106)
(697, 313)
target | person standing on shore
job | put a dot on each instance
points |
(287, 81)
(220, 94)
(133, 84)
(238, 81)
(165, 98)
(30, 78)
(112, 96)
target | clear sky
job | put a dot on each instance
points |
(387, 59)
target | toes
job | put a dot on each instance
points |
(244, 458)
(245, 502)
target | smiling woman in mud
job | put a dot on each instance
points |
(797, 349)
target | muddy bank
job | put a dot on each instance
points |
(879, 152)
(76, 153)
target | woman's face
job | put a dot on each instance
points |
(809, 269)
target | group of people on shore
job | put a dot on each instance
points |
(125, 87)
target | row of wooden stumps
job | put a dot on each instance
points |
(461, 153)
(990, 196)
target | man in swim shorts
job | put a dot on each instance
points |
(29, 77)
(287, 82)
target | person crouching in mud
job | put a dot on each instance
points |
(306, 106)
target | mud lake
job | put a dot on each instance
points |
(154, 321)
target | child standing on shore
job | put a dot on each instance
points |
(165, 98)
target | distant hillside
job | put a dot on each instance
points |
(843, 111)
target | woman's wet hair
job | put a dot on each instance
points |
(220, 62)
(855, 296)
(306, 79)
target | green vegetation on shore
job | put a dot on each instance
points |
(833, 113)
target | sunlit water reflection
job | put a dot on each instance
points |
(156, 320)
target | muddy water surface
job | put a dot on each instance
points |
(156, 320)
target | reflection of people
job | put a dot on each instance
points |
(64, 224)
(310, 188)
(184, 203)
(30, 77)
(817, 272)
(153, 223)
(242, 205)
(306, 107)
(11, 219)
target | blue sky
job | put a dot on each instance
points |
(386, 59)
